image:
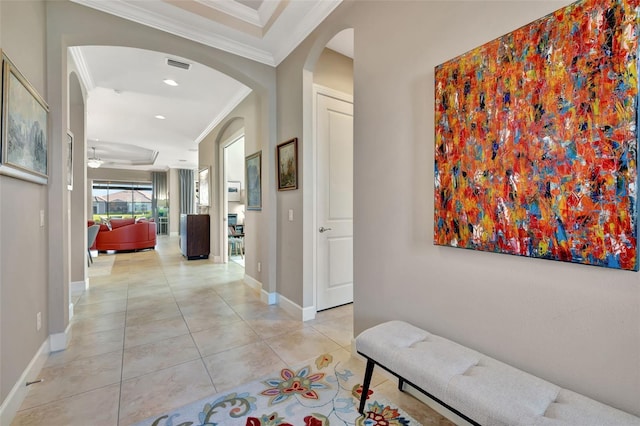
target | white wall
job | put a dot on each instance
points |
(575, 325)
(235, 172)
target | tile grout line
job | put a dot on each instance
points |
(124, 340)
(191, 335)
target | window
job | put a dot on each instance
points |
(121, 200)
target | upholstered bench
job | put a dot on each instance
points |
(480, 389)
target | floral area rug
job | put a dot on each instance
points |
(325, 393)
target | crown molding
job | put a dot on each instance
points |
(268, 8)
(83, 69)
(304, 27)
(235, 9)
(230, 106)
(269, 11)
(134, 13)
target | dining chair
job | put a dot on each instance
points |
(92, 233)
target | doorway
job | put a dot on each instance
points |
(233, 183)
(328, 76)
(334, 198)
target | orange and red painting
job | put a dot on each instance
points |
(536, 139)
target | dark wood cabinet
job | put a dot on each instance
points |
(194, 236)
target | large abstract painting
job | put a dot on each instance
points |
(536, 139)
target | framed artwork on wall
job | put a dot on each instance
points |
(253, 167)
(287, 159)
(203, 186)
(24, 127)
(69, 160)
(233, 191)
(536, 140)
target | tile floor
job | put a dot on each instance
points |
(155, 332)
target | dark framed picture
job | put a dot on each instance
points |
(24, 127)
(287, 159)
(69, 160)
(253, 168)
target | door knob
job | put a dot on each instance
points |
(323, 229)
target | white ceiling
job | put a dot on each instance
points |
(126, 92)
(126, 89)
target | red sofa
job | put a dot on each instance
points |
(125, 234)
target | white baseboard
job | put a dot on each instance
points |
(78, 287)
(60, 341)
(217, 259)
(309, 313)
(252, 282)
(265, 297)
(293, 309)
(12, 403)
(269, 298)
(297, 311)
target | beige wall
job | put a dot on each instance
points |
(23, 243)
(335, 71)
(331, 70)
(71, 24)
(35, 261)
(245, 117)
(575, 325)
(78, 213)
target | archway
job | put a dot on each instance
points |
(79, 279)
(69, 24)
(335, 81)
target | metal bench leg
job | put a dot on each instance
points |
(367, 382)
(400, 384)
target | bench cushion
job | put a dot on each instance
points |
(484, 389)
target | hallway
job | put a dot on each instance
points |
(156, 331)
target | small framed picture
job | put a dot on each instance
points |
(287, 158)
(253, 167)
(233, 191)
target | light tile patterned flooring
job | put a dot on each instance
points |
(155, 332)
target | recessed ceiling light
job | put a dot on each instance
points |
(170, 82)
(160, 117)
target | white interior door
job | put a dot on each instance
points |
(335, 202)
